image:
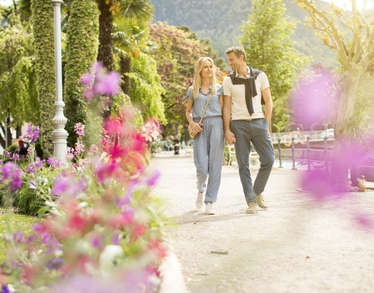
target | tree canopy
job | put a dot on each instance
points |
(352, 36)
(17, 76)
(266, 38)
(176, 53)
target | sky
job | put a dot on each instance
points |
(347, 3)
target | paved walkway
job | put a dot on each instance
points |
(298, 245)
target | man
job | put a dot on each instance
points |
(244, 90)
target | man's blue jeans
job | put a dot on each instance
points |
(256, 132)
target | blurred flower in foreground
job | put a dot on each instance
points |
(11, 173)
(100, 83)
(104, 232)
(318, 184)
(314, 98)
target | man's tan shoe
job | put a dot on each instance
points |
(260, 201)
(252, 208)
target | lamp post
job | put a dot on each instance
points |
(59, 135)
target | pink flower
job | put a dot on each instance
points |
(108, 85)
(152, 180)
(68, 186)
(122, 220)
(98, 82)
(320, 186)
(151, 129)
(79, 129)
(86, 79)
(364, 222)
(138, 231)
(313, 98)
(104, 171)
(138, 143)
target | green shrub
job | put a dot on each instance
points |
(35, 191)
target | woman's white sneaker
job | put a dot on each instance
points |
(199, 200)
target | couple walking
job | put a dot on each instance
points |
(233, 112)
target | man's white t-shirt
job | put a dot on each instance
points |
(239, 109)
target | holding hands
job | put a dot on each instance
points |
(230, 137)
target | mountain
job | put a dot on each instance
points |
(220, 21)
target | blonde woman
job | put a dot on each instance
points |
(209, 143)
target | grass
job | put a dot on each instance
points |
(10, 223)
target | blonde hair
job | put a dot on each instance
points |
(197, 82)
(238, 51)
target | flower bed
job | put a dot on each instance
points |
(102, 231)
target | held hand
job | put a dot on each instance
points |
(230, 137)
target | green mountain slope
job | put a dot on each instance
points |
(220, 21)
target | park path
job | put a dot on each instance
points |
(297, 245)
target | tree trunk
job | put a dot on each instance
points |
(125, 64)
(341, 162)
(105, 54)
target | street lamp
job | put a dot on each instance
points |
(59, 134)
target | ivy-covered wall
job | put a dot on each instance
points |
(82, 33)
(42, 19)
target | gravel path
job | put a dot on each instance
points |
(297, 245)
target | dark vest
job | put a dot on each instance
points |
(250, 86)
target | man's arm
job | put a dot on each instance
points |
(229, 136)
(266, 95)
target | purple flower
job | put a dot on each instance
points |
(55, 263)
(89, 94)
(152, 180)
(133, 282)
(35, 166)
(54, 163)
(79, 147)
(32, 133)
(15, 184)
(4, 289)
(86, 79)
(320, 186)
(313, 99)
(18, 237)
(115, 237)
(110, 85)
(10, 171)
(97, 241)
(364, 221)
(98, 82)
(68, 185)
(79, 129)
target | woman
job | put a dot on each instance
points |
(209, 143)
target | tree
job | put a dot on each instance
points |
(109, 9)
(266, 38)
(129, 38)
(175, 53)
(138, 9)
(17, 75)
(18, 102)
(82, 31)
(353, 38)
(146, 91)
(42, 19)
